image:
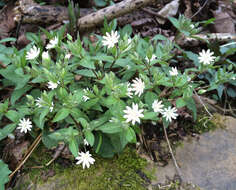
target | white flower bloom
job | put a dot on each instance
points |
(189, 78)
(39, 102)
(52, 43)
(174, 71)
(32, 53)
(192, 26)
(110, 39)
(25, 125)
(152, 58)
(129, 91)
(86, 142)
(170, 113)
(157, 106)
(85, 159)
(45, 55)
(133, 114)
(67, 56)
(85, 98)
(51, 107)
(138, 86)
(52, 85)
(206, 57)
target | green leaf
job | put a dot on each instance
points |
(149, 98)
(4, 172)
(18, 93)
(103, 57)
(86, 73)
(87, 63)
(220, 90)
(61, 114)
(89, 137)
(4, 106)
(7, 40)
(74, 147)
(7, 130)
(130, 135)
(231, 92)
(42, 116)
(110, 128)
(64, 134)
(150, 116)
(100, 3)
(180, 103)
(47, 141)
(190, 103)
(13, 115)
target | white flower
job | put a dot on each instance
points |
(25, 125)
(110, 39)
(192, 26)
(206, 57)
(133, 114)
(86, 142)
(85, 159)
(152, 58)
(51, 107)
(67, 56)
(53, 85)
(52, 43)
(32, 53)
(85, 98)
(157, 106)
(170, 113)
(45, 55)
(39, 102)
(138, 86)
(129, 91)
(174, 71)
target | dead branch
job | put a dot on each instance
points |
(114, 11)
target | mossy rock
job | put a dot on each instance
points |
(120, 172)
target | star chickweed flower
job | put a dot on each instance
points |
(138, 86)
(174, 71)
(170, 113)
(157, 106)
(52, 43)
(152, 58)
(85, 98)
(67, 56)
(133, 114)
(85, 159)
(129, 91)
(53, 85)
(32, 53)
(39, 102)
(45, 55)
(110, 39)
(24, 125)
(86, 142)
(206, 57)
(51, 107)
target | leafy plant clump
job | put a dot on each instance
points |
(98, 94)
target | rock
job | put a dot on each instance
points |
(209, 162)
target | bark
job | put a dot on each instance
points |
(114, 11)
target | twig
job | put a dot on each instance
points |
(172, 155)
(199, 10)
(203, 104)
(31, 149)
(57, 154)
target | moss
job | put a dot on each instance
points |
(120, 172)
(203, 124)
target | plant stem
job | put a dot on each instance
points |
(172, 155)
